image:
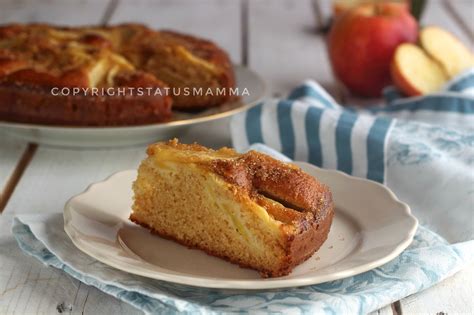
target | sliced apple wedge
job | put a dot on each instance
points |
(446, 49)
(414, 72)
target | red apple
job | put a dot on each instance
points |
(362, 42)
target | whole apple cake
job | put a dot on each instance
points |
(117, 75)
(233, 206)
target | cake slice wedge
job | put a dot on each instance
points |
(249, 209)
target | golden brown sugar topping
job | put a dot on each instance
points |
(98, 54)
(75, 57)
(284, 183)
(39, 57)
(272, 183)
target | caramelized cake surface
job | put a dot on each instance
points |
(34, 58)
(232, 205)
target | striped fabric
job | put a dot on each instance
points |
(310, 126)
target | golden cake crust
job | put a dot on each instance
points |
(258, 174)
(34, 58)
(302, 206)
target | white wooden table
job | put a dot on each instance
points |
(276, 38)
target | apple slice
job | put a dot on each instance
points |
(446, 49)
(414, 72)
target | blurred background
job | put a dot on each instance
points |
(282, 40)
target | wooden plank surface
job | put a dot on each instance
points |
(11, 151)
(28, 287)
(210, 19)
(387, 310)
(285, 46)
(452, 296)
(53, 11)
(436, 14)
(462, 12)
(66, 172)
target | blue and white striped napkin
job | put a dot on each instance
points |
(421, 147)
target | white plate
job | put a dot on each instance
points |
(123, 136)
(371, 227)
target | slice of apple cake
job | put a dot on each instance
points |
(249, 209)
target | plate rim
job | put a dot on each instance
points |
(259, 284)
(154, 126)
